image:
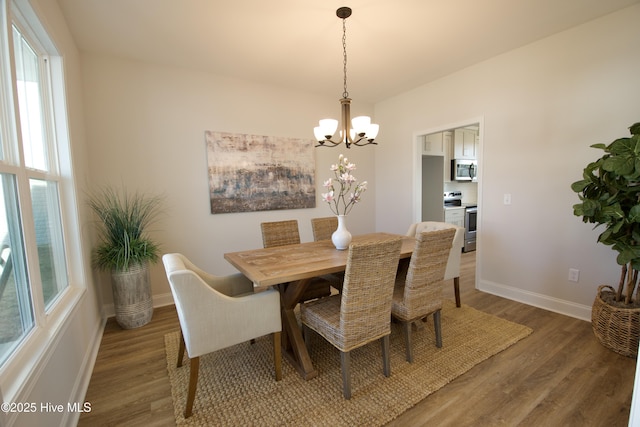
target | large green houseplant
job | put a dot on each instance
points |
(125, 249)
(609, 194)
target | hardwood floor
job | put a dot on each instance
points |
(558, 376)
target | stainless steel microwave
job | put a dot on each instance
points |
(464, 170)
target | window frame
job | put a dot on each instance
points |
(21, 369)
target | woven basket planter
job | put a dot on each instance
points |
(617, 328)
(132, 296)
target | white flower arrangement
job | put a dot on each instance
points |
(350, 190)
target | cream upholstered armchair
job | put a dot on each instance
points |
(218, 312)
(453, 262)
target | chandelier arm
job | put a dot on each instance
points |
(358, 142)
(367, 142)
(330, 141)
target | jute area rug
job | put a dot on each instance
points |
(236, 386)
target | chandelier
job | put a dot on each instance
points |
(363, 132)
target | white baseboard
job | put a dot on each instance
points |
(158, 301)
(579, 311)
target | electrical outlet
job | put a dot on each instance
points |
(574, 275)
(507, 199)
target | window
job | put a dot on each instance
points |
(16, 308)
(34, 275)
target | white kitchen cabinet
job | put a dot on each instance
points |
(440, 144)
(454, 216)
(433, 145)
(465, 143)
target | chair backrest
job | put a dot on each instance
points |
(453, 262)
(280, 233)
(323, 228)
(365, 310)
(193, 300)
(424, 280)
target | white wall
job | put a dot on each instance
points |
(543, 106)
(145, 127)
(63, 373)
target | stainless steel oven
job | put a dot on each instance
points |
(470, 223)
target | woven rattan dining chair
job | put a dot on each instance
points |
(323, 228)
(216, 312)
(418, 289)
(281, 233)
(362, 313)
(453, 262)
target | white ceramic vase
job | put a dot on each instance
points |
(341, 237)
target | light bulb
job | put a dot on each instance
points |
(372, 132)
(361, 124)
(328, 127)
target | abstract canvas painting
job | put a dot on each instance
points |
(257, 173)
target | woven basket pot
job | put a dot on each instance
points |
(132, 296)
(617, 328)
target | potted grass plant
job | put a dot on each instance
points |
(609, 194)
(125, 249)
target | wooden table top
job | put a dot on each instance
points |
(281, 264)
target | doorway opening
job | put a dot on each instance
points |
(447, 164)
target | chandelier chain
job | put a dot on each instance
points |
(345, 94)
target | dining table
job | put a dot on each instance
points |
(290, 268)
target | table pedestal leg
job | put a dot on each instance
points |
(293, 343)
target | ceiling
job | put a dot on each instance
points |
(392, 46)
